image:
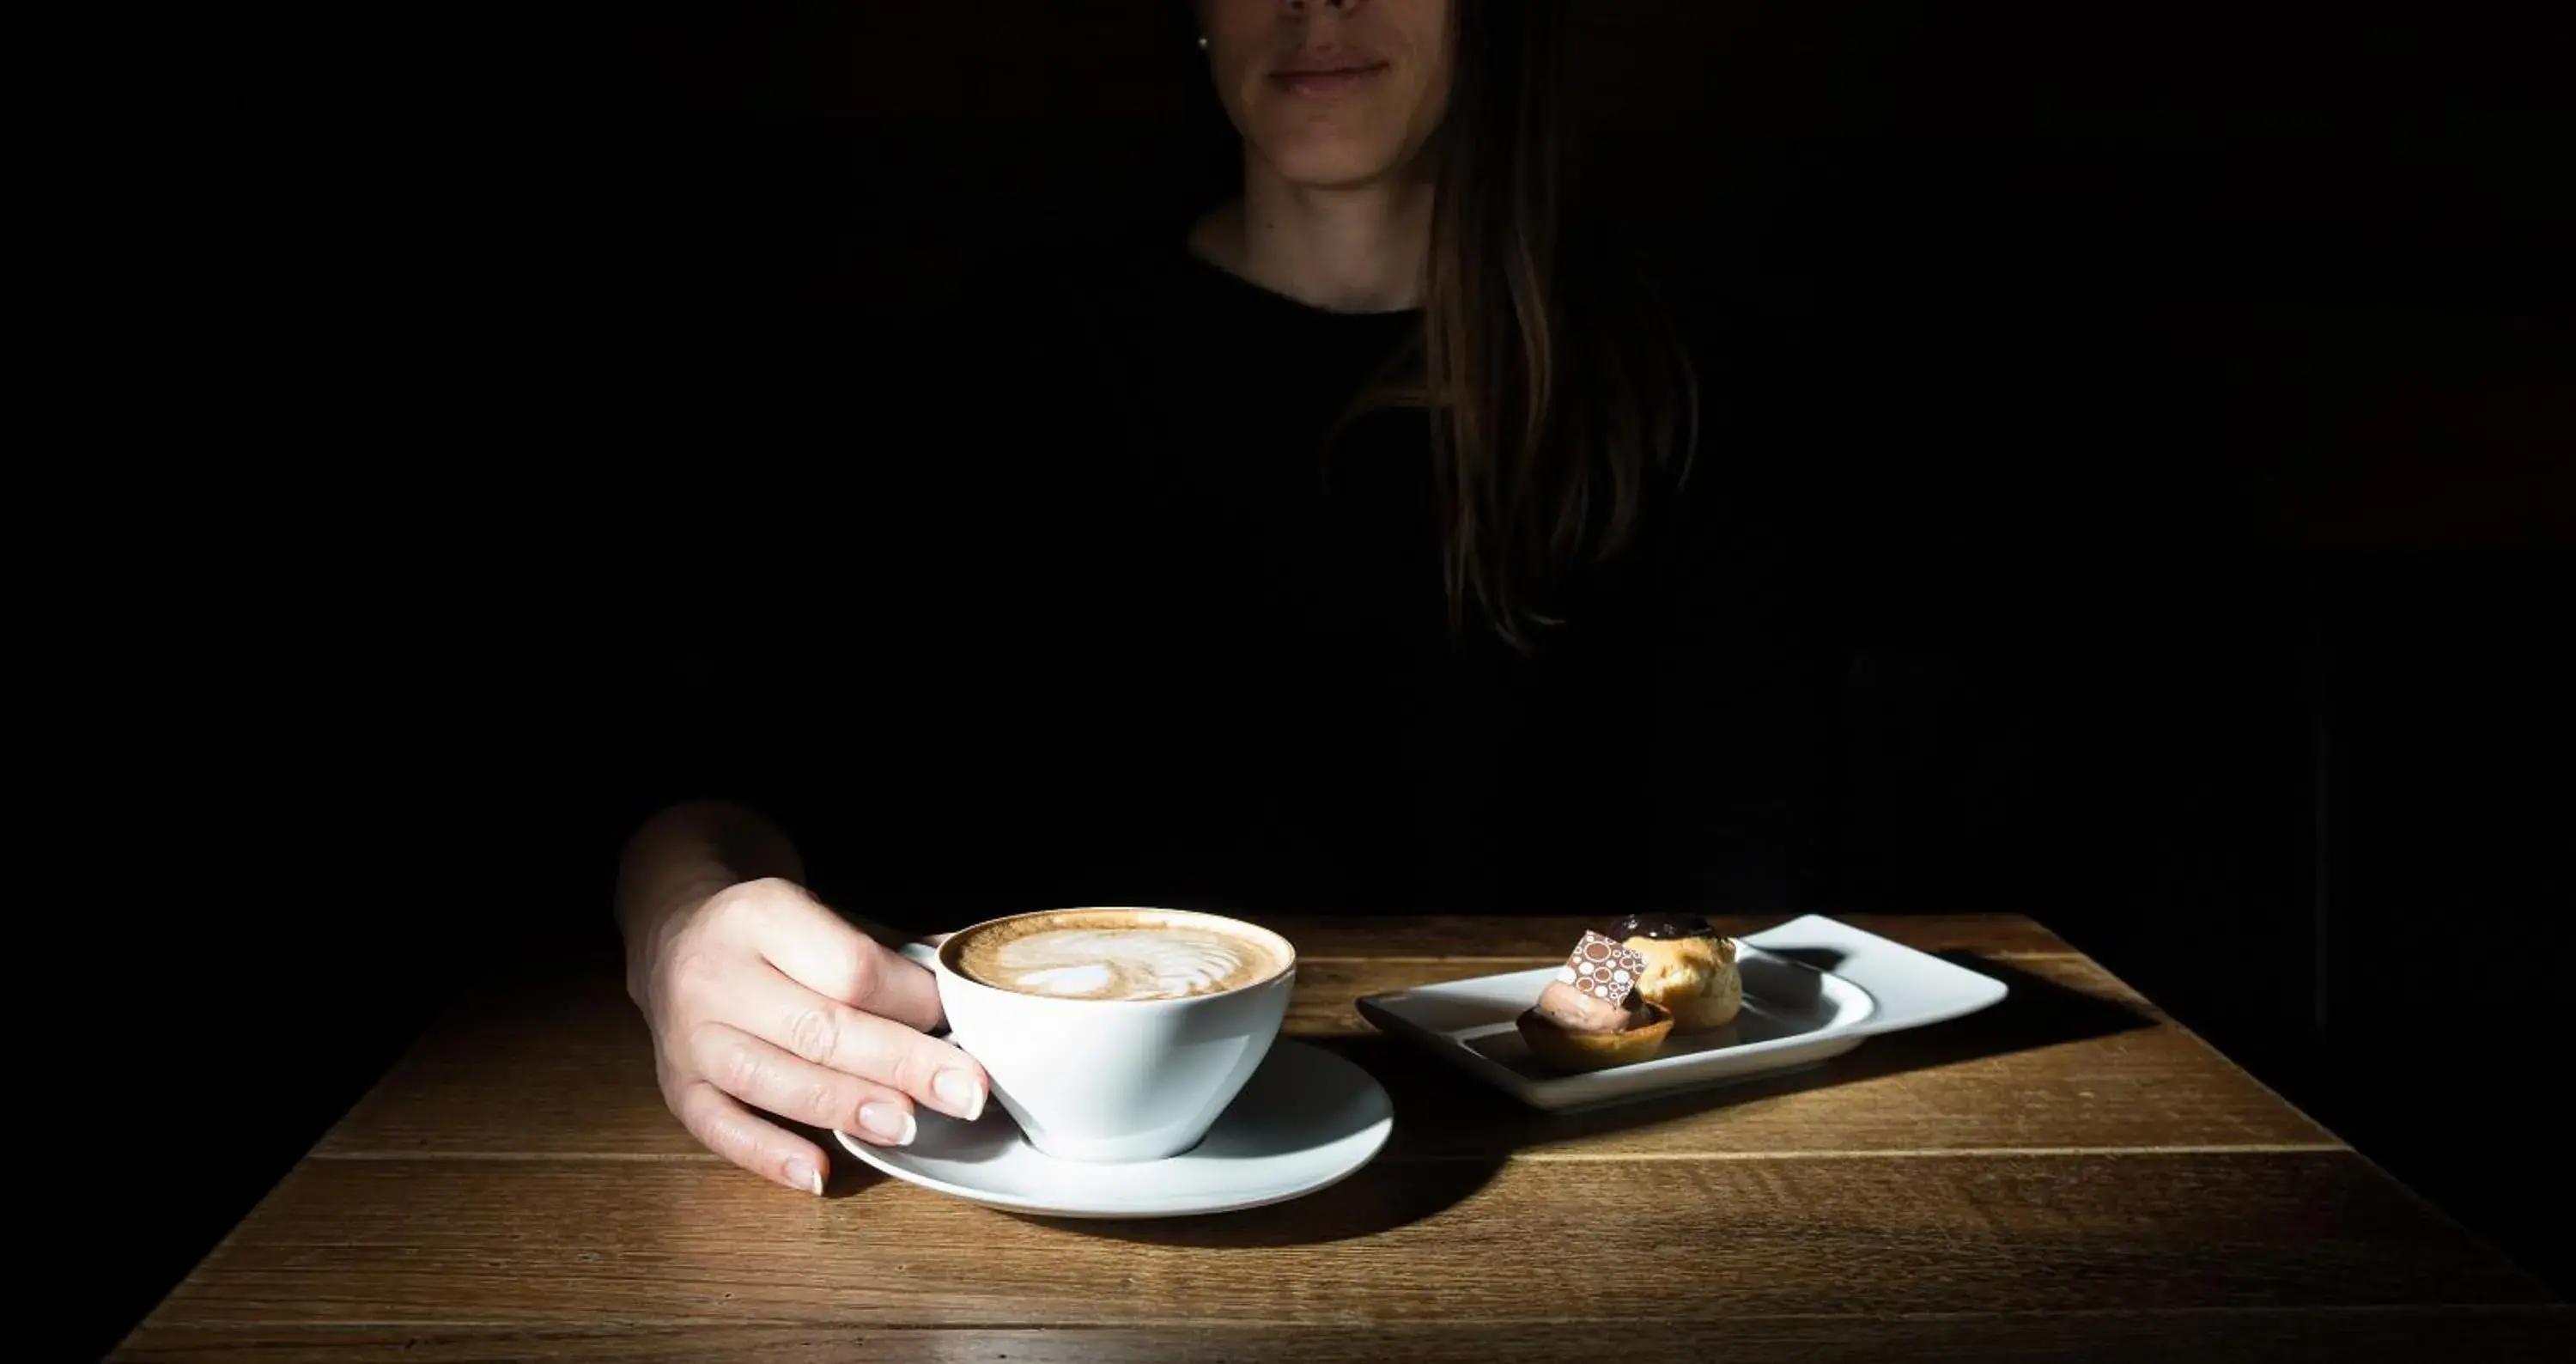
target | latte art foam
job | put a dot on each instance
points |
(1116, 955)
(1096, 963)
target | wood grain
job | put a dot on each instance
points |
(579, 1243)
(2072, 1058)
(2066, 1176)
(2514, 1335)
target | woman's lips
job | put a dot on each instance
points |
(1327, 84)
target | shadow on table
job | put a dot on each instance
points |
(1439, 1110)
(1378, 1198)
(1452, 1135)
(849, 1174)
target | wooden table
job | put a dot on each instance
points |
(2070, 1175)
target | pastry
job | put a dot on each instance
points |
(1690, 968)
(1591, 1015)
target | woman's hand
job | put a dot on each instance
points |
(758, 995)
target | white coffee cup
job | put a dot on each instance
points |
(1111, 1080)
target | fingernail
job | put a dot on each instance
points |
(959, 1093)
(804, 1176)
(890, 1121)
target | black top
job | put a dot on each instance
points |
(1110, 626)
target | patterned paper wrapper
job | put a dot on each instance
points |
(1604, 968)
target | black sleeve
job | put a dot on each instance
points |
(1742, 670)
(851, 669)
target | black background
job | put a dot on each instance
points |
(398, 380)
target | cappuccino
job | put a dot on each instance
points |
(1115, 954)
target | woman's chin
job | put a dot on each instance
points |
(1331, 162)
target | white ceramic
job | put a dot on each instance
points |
(1115, 1079)
(1814, 988)
(1307, 1120)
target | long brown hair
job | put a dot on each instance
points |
(1560, 395)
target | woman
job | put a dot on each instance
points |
(1335, 557)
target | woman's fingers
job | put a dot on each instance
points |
(728, 1129)
(821, 951)
(829, 1033)
(768, 1003)
(767, 1076)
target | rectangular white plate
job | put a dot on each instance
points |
(1814, 988)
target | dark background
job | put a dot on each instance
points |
(2198, 518)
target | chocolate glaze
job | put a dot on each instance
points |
(1662, 927)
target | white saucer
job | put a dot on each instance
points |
(1306, 1120)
